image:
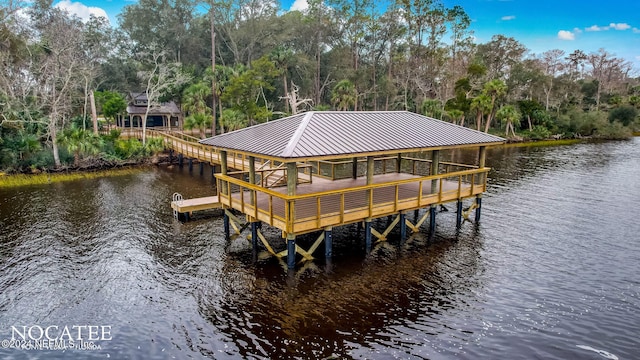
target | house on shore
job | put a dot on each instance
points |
(166, 115)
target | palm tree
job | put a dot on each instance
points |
(343, 95)
(80, 142)
(195, 102)
(283, 57)
(432, 108)
(494, 89)
(481, 104)
(232, 119)
(198, 121)
(456, 115)
(508, 114)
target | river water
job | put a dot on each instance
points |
(552, 271)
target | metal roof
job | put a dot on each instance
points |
(162, 109)
(332, 133)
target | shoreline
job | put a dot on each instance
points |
(70, 174)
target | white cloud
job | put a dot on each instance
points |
(620, 26)
(508, 17)
(566, 35)
(596, 28)
(577, 30)
(615, 26)
(81, 10)
(299, 5)
(636, 31)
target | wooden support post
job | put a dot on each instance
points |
(180, 160)
(291, 251)
(328, 243)
(370, 169)
(403, 226)
(354, 168)
(432, 219)
(435, 164)
(399, 164)
(254, 236)
(223, 170)
(416, 214)
(459, 214)
(226, 226)
(170, 156)
(482, 158)
(252, 177)
(190, 164)
(367, 235)
(201, 168)
(292, 178)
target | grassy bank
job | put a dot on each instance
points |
(9, 181)
(543, 143)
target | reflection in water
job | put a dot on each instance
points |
(551, 272)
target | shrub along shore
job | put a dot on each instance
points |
(96, 168)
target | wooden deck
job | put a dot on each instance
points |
(196, 204)
(326, 203)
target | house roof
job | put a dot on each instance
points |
(164, 108)
(334, 133)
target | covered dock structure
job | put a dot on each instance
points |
(317, 170)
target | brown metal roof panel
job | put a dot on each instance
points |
(335, 133)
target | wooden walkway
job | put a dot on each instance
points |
(189, 147)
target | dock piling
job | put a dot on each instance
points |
(403, 227)
(254, 236)
(367, 235)
(328, 243)
(226, 226)
(479, 207)
(459, 214)
(432, 219)
(190, 164)
(291, 251)
(180, 160)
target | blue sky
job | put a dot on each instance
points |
(539, 24)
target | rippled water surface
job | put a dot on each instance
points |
(551, 272)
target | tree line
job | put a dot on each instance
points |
(264, 63)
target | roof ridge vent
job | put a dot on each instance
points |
(293, 142)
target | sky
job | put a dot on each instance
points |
(540, 25)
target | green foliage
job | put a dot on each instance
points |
(111, 104)
(80, 143)
(538, 132)
(128, 148)
(232, 120)
(154, 146)
(198, 121)
(508, 115)
(246, 91)
(612, 131)
(623, 114)
(343, 96)
(432, 108)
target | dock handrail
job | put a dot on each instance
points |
(275, 205)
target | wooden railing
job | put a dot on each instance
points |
(189, 146)
(313, 211)
(342, 169)
(271, 177)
